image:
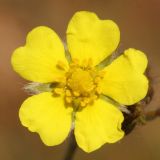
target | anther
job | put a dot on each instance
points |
(83, 104)
(68, 93)
(97, 80)
(94, 97)
(84, 63)
(98, 90)
(76, 94)
(68, 99)
(61, 65)
(101, 74)
(90, 63)
(74, 63)
(58, 91)
(87, 100)
(60, 80)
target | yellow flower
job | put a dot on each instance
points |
(76, 101)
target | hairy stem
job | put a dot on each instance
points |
(71, 148)
(152, 115)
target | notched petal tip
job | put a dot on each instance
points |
(37, 60)
(90, 37)
(47, 116)
(125, 81)
(137, 58)
(98, 124)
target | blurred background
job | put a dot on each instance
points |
(139, 22)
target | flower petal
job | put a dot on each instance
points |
(89, 37)
(47, 116)
(124, 80)
(37, 60)
(98, 124)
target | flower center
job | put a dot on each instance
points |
(81, 84)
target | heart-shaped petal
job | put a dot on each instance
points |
(37, 60)
(88, 37)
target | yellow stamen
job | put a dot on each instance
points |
(83, 104)
(98, 90)
(59, 91)
(97, 80)
(84, 63)
(60, 80)
(74, 63)
(94, 97)
(80, 83)
(76, 93)
(101, 74)
(61, 65)
(68, 99)
(68, 93)
(90, 63)
(87, 100)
